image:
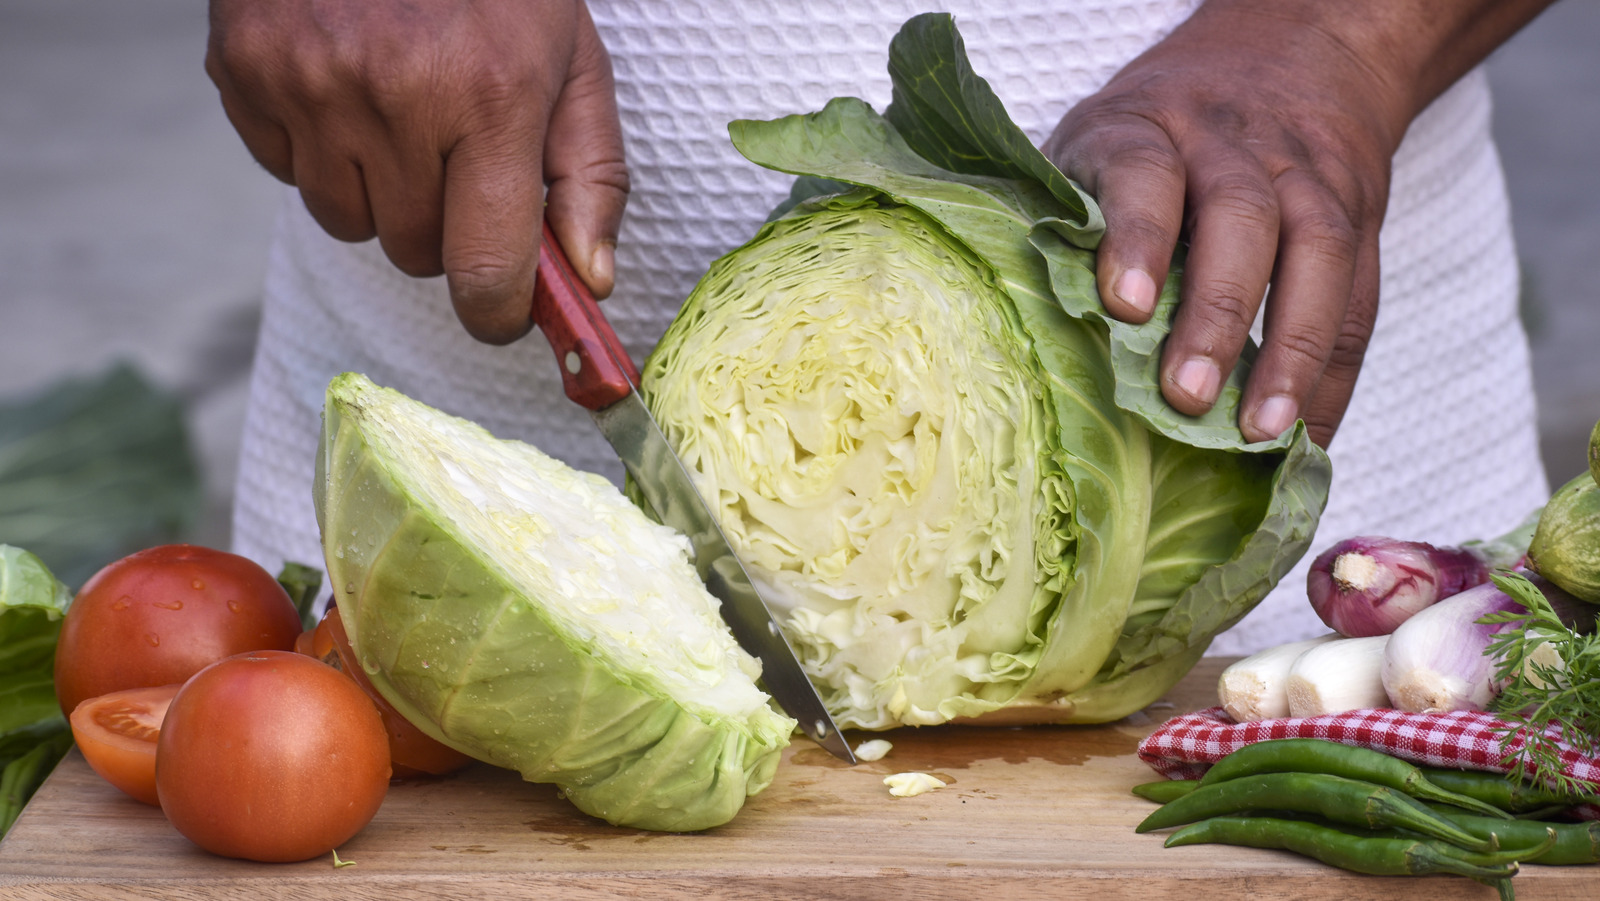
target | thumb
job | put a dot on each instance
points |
(585, 171)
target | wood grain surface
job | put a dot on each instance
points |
(1036, 812)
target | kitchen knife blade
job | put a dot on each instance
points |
(598, 374)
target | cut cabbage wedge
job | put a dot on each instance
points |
(529, 615)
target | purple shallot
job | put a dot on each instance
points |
(1367, 586)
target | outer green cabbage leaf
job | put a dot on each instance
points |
(94, 469)
(1166, 528)
(951, 117)
(33, 733)
(528, 615)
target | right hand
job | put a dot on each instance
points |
(436, 125)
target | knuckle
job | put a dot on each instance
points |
(1136, 230)
(1350, 347)
(242, 54)
(607, 173)
(1348, 352)
(483, 279)
(1243, 195)
(1326, 229)
(313, 83)
(1301, 349)
(413, 255)
(338, 220)
(1155, 159)
(493, 85)
(1230, 307)
(394, 83)
(1111, 130)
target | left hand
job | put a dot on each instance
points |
(1262, 133)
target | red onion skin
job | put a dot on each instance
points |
(1405, 577)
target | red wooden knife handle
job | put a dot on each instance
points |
(595, 368)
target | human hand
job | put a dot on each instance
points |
(1262, 133)
(1267, 146)
(436, 126)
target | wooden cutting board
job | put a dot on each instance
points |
(1038, 812)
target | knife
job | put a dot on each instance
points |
(598, 374)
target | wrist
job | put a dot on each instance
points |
(1402, 54)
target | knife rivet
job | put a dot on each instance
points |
(821, 729)
(574, 362)
(772, 627)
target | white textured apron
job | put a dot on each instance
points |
(1439, 443)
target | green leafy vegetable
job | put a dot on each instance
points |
(302, 582)
(33, 733)
(528, 615)
(90, 470)
(1550, 693)
(953, 474)
(94, 469)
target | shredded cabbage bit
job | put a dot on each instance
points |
(909, 785)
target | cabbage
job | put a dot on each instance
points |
(528, 615)
(953, 476)
(33, 733)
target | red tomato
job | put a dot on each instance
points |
(161, 615)
(271, 756)
(413, 752)
(117, 735)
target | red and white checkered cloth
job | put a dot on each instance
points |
(1184, 747)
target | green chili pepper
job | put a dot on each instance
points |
(1575, 843)
(1504, 792)
(1375, 854)
(1314, 755)
(1164, 790)
(1335, 798)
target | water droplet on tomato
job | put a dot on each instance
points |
(153, 639)
(235, 606)
(173, 604)
(198, 585)
(121, 603)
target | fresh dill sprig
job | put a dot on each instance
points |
(1550, 695)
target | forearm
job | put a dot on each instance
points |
(1413, 49)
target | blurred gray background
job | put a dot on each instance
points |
(133, 224)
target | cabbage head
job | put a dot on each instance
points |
(529, 615)
(954, 477)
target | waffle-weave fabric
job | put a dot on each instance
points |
(1439, 443)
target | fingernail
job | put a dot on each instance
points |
(1275, 415)
(1137, 289)
(1199, 379)
(603, 264)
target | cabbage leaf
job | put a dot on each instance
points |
(33, 733)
